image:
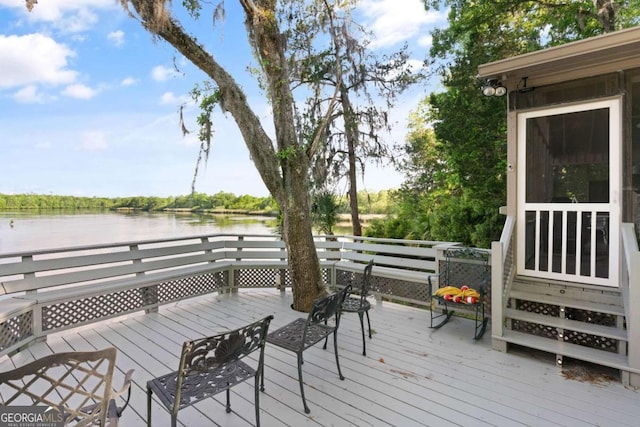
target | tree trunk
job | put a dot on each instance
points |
(351, 135)
(303, 259)
(294, 160)
(606, 14)
(285, 172)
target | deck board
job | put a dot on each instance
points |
(411, 376)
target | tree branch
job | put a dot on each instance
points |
(233, 98)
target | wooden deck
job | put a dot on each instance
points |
(411, 376)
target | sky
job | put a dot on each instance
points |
(89, 100)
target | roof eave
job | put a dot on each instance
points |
(596, 55)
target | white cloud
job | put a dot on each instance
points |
(29, 95)
(425, 41)
(396, 21)
(79, 91)
(66, 15)
(190, 140)
(93, 141)
(128, 81)
(161, 73)
(82, 20)
(415, 65)
(116, 37)
(44, 145)
(169, 98)
(34, 59)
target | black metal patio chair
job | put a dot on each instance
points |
(360, 304)
(209, 366)
(462, 268)
(301, 334)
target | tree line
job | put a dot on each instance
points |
(196, 201)
(370, 203)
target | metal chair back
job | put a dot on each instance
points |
(327, 307)
(209, 366)
(461, 268)
(75, 384)
(366, 284)
(360, 304)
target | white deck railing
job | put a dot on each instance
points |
(564, 240)
(50, 290)
(630, 286)
(502, 274)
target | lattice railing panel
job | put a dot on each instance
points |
(16, 329)
(84, 310)
(387, 287)
(191, 286)
(326, 275)
(344, 278)
(400, 288)
(259, 277)
(270, 277)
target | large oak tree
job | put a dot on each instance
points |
(284, 162)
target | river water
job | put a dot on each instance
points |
(30, 230)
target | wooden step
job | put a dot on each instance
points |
(569, 287)
(567, 301)
(573, 325)
(587, 354)
(578, 291)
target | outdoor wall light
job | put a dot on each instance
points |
(493, 87)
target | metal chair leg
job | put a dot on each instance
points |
(446, 314)
(324, 347)
(304, 401)
(228, 408)
(257, 401)
(368, 323)
(335, 345)
(148, 407)
(364, 343)
(481, 322)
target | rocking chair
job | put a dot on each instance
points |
(462, 268)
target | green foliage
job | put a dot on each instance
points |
(324, 211)
(456, 170)
(408, 221)
(375, 202)
(288, 153)
(40, 201)
(371, 202)
(348, 90)
(193, 7)
(393, 228)
(208, 96)
(194, 201)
